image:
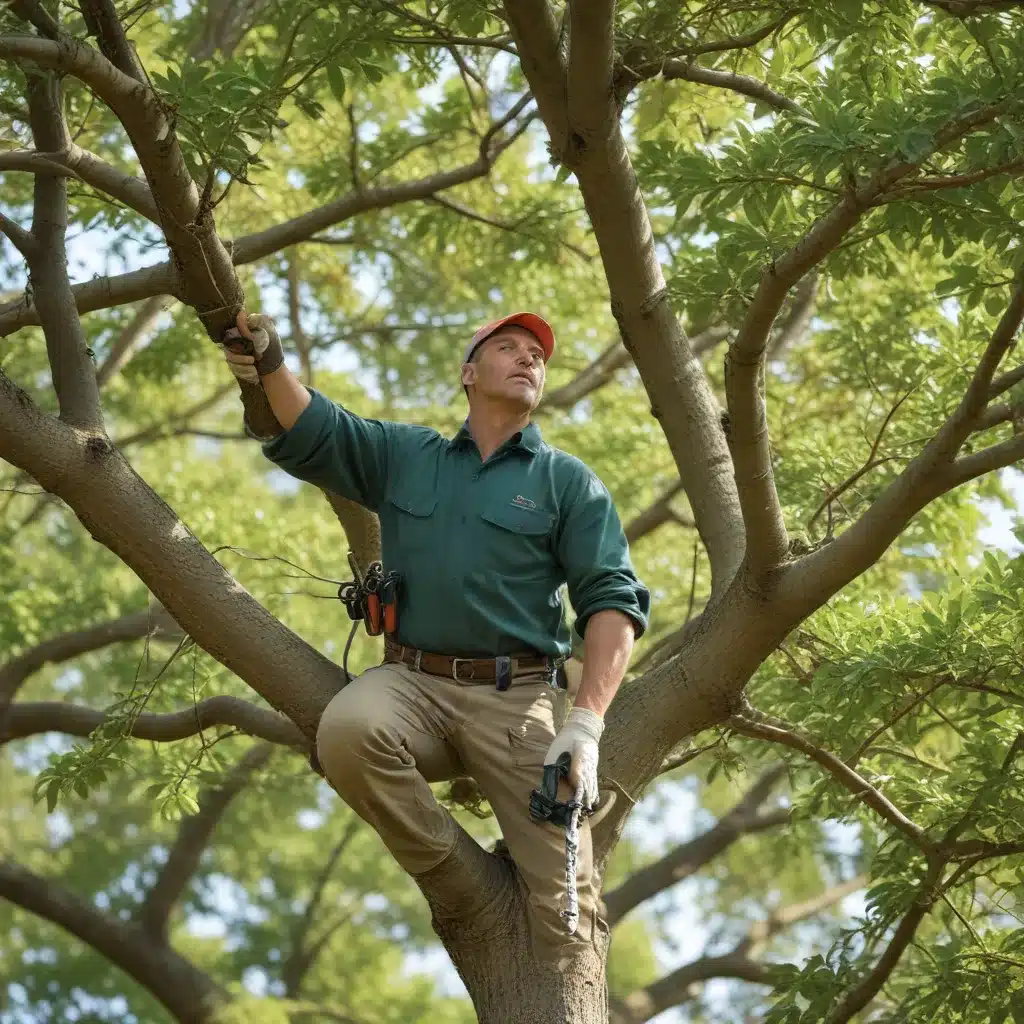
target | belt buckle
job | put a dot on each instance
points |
(455, 670)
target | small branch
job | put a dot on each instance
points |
(513, 227)
(36, 15)
(842, 773)
(688, 858)
(194, 836)
(21, 239)
(754, 89)
(603, 369)
(741, 42)
(798, 321)
(131, 334)
(657, 514)
(870, 463)
(302, 956)
(676, 988)
(188, 993)
(70, 645)
(167, 428)
(31, 719)
(1005, 381)
(861, 994)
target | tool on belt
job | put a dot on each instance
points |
(545, 806)
(371, 599)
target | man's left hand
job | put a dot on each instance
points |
(579, 738)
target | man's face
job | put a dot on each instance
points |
(508, 368)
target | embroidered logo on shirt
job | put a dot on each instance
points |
(523, 502)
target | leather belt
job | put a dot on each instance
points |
(463, 670)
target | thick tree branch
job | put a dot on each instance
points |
(77, 642)
(85, 166)
(589, 100)
(841, 772)
(102, 22)
(71, 367)
(194, 836)
(767, 541)
(681, 396)
(688, 858)
(191, 996)
(162, 278)
(124, 514)
(688, 71)
(543, 63)
(933, 472)
(32, 718)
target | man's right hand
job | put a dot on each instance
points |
(252, 348)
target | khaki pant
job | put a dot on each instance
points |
(393, 730)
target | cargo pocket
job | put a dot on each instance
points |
(529, 739)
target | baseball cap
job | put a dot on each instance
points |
(536, 325)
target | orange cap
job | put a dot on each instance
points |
(536, 325)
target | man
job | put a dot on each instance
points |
(484, 528)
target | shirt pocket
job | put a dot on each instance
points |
(413, 506)
(517, 541)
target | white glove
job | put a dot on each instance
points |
(579, 737)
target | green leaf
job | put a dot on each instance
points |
(336, 80)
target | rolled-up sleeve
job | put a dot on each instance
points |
(593, 551)
(333, 448)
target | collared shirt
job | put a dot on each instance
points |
(483, 547)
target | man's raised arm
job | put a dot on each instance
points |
(321, 442)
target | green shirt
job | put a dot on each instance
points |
(483, 547)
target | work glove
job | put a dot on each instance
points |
(579, 738)
(252, 348)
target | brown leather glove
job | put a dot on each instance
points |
(254, 336)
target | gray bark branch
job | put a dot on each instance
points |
(31, 718)
(71, 366)
(89, 168)
(191, 996)
(838, 769)
(689, 71)
(70, 645)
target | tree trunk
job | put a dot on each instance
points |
(492, 953)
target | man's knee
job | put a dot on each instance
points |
(352, 730)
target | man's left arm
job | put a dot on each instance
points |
(612, 608)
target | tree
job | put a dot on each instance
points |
(831, 189)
